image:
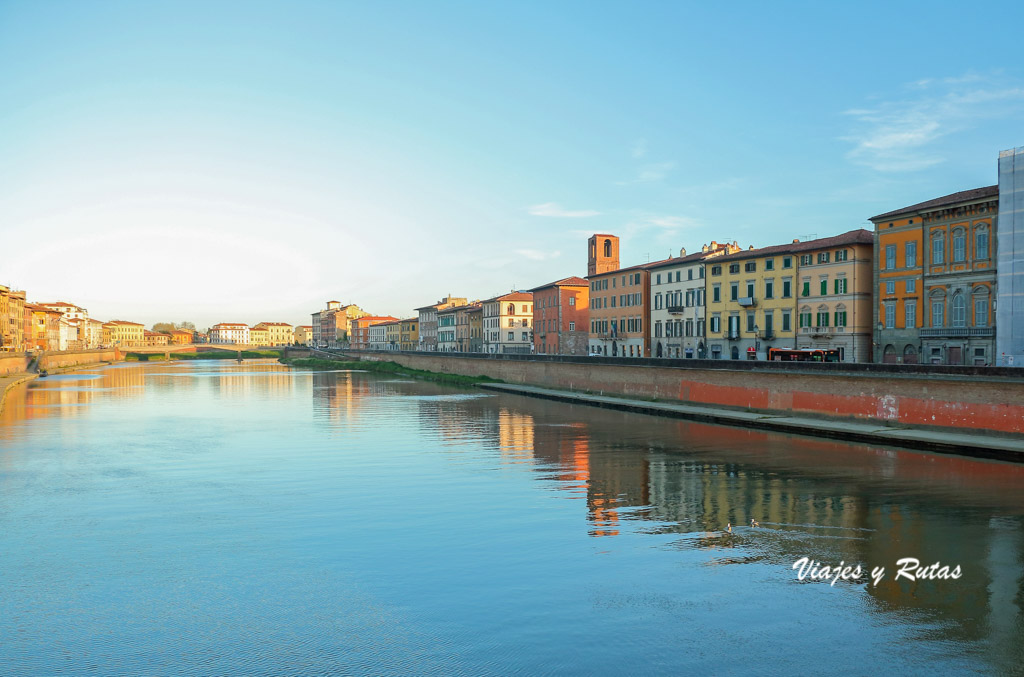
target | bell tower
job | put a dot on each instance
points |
(602, 254)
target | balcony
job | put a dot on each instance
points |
(732, 334)
(747, 301)
(958, 332)
(675, 309)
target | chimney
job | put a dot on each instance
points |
(796, 240)
(750, 248)
(682, 251)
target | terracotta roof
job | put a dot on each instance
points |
(944, 201)
(512, 296)
(304, 326)
(229, 325)
(689, 258)
(859, 236)
(565, 282)
(642, 266)
(273, 324)
(375, 319)
(125, 322)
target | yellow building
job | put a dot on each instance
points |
(125, 334)
(834, 306)
(304, 334)
(409, 337)
(12, 320)
(155, 338)
(279, 333)
(180, 337)
(259, 336)
(393, 335)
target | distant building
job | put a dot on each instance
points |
(475, 324)
(331, 326)
(124, 334)
(230, 333)
(304, 335)
(935, 280)
(278, 333)
(259, 336)
(561, 317)
(619, 302)
(1010, 235)
(359, 330)
(410, 334)
(155, 338)
(446, 339)
(44, 332)
(393, 335)
(508, 323)
(428, 321)
(180, 337)
(12, 320)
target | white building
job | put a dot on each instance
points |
(508, 323)
(378, 336)
(230, 333)
(678, 315)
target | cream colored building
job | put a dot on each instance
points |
(126, 334)
(259, 336)
(229, 333)
(278, 333)
(304, 335)
(508, 323)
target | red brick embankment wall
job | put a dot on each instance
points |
(13, 364)
(964, 402)
(58, 360)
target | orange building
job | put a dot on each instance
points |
(359, 329)
(619, 301)
(935, 277)
(561, 316)
(179, 337)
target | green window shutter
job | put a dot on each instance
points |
(824, 287)
(807, 289)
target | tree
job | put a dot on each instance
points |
(163, 326)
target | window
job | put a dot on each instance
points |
(910, 254)
(768, 322)
(822, 317)
(526, 309)
(911, 286)
(787, 261)
(750, 322)
(572, 300)
(806, 260)
(750, 289)
(607, 247)
(689, 274)
(981, 311)
(769, 289)
(840, 317)
(890, 256)
(734, 291)
(716, 294)
(806, 291)
(511, 336)
(750, 267)
(526, 336)
(890, 314)
(787, 289)
(824, 286)
(769, 264)
(805, 317)
(938, 312)
(841, 254)
(787, 323)
(959, 311)
(716, 270)
(823, 257)
(657, 279)
(840, 285)
(938, 249)
(511, 323)
(981, 244)
(716, 324)
(959, 246)
(910, 314)
(734, 267)
(890, 287)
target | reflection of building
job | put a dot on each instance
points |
(935, 276)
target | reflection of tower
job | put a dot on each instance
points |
(602, 254)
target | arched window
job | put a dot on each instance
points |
(909, 354)
(607, 247)
(959, 311)
(511, 309)
(959, 246)
(938, 248)
(981, 242)
(822, 316)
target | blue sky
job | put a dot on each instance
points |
(247, 161)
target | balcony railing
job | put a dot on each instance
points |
(747, 301)
(958, 332)
(675, 309)
(732, 334)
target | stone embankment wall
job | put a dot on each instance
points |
(13, 363)
(50, 361)
(965, 399)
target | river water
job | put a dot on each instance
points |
(211, 517)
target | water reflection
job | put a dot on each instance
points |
(574, 522)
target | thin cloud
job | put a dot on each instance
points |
(639, 148)
(650, 173)
(538, 255)
(554, 210)
(900, 135)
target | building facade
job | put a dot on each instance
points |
(259, 336)
(229, 333)
(359, 330)
(508, 323)
(475, 322)
(304, 335)
(410, 334)
(446, 339)
(678, 318)
(393, 335)
(12, 320)
(278, 333)
(835, 313)
(331, 326)
(126, 334)
(378, 336)
(619, 308)
(1010, 235)
(561, 317)
(935, 280)
(428, 321)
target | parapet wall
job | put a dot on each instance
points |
(57, 360)
(972, 399)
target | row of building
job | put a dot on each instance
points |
(26, 326)
(260, 334)
(939, 282)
